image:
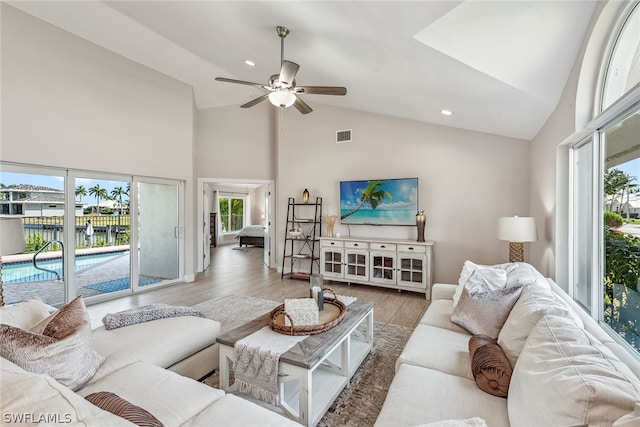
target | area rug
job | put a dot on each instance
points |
(360, 402)
(235, 310)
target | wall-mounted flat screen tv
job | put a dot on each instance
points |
(379, 201)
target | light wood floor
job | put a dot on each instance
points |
(242, 272)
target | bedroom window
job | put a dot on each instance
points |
(231, 213)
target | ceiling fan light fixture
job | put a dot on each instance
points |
(282, 99)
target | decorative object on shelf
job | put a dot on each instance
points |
(296, 232)
(301, 311)
(12, 232)
(305, 196)
(316, 288)
(516, 230)
(421, 221)
(331, 222)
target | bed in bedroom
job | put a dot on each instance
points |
(251, 235)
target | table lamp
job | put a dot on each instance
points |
(11, 242)
(516, 230)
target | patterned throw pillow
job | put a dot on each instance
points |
(115, 404)
(483, 310)
(490, 367)
(59, 346)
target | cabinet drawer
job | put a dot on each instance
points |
(333, 243)
(383, 246)
(356, 245)
(412, 248)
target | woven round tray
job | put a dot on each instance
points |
(333, 313)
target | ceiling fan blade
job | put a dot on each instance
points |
(255, 101)
(322, 90)
(302, 106)
(240, 82)
(288, 73)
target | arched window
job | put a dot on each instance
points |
(623, 64)
(605, 184)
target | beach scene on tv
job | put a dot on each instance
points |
(379, 202)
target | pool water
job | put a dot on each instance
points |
(20, 272)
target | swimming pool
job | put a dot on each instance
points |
(21, 272)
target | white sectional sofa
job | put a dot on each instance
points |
(142, 364)
(566, 371)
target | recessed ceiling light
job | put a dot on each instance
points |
(250, 63)
(446, 112)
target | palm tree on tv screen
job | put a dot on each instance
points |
(373, 195)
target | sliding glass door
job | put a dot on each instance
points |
(160, 232)
(33, 198)
(91, 234)
(101, 230)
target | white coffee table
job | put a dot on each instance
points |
(314, 372)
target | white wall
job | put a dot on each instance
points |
(467, 180)
(550, 161)
(68, 103)
(236, 143)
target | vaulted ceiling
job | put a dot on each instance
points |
(500, 66)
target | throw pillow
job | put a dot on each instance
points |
(481, 309)
(115, 404)
(495, 275)
(71, 318)
(24, 314)
(534, 303)
(566, 377)
(490, 367)
(62, 350)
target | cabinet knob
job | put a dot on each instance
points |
(382, 246)
(332, 243)
(355, 244)
(410, 248)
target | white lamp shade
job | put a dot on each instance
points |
(281, 98)
(11, 236)
(517, 229)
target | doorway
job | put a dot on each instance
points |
(256, 196)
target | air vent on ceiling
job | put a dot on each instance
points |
(343, 136)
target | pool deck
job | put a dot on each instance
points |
(52, 291)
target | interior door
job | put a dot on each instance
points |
(267, 223)
(206, 223)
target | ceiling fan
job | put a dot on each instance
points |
(281, 88)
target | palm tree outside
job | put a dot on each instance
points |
(99, 193)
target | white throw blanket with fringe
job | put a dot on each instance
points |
(256, 359)
(256, 363)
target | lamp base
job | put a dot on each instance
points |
(516, 252)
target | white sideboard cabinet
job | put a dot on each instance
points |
(403, 265)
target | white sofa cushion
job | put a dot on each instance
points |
(233, 411)
(25, 314)
(534, 302)
(440, 349)
(581, 380)
(420, 395)
(27, 398)
(149, 341)
(439, 314)
(157, 390)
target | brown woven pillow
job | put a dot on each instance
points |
(490, 367)
(115, 404)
